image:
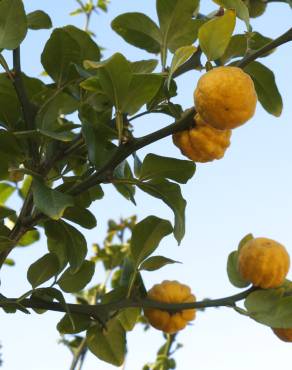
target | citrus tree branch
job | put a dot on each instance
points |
(103, 308)
(283, 39)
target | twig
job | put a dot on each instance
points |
(78, 354)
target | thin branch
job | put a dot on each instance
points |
(283, 39)
(78, 354)
(102, 308)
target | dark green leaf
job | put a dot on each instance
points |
(138, 30)
(233, 273)
(155, 263)
(13, 24)
(49, 201)
(10, 111)
(74, 282)
(266, 88)
(214, 36)
(38, 20)
(29, 238)
(61, 50)
(80, 216)
(81, 323)
(6, 243)
(43, 269)
(6, 212)
(155, 166)
(146, 237)
(144, 66)
(170, 194)
(176, 23)
(67, 243)
(108, 344)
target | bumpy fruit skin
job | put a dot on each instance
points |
(202, 143)
(170, 292)
(225, 97)
(263, 262)
(284, 334)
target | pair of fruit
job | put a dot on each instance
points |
(225, 98)
(261, 261)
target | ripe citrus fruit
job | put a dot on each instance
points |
(170, 292)
(283, 334)
(263, 262)
(202, 143)
(225, 97)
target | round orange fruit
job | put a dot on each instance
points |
(283, 334)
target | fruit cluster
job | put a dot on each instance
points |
(225, 98)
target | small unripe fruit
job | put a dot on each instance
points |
(170, 292)
(263, 262)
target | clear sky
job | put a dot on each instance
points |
(247, 191)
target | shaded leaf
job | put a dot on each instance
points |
(6, 212)
(108, 344)
(74, 282)
(129, 317)
(49, 201)
(240, 8)
(138, 30)
(233, 273)
(80, 216)
(43, 269)
(170, 194)
(266, 87)
(38, 20)
(155, 166)
(155, 263)
(81, 323)
(144, 66)
(11, 14)
(146, 237)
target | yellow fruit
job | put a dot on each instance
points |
(283, 334)
(256, 7)
(263, 262)
(225, 97)
(202, 143)
(170, 292)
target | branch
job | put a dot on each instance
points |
(286, 37)
(124, 150)
(101, 308)
(28, 109)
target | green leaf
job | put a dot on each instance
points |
(13, 24)
(80, 216)
(6, 212)
(51, 294)
(129, 317)
(6, 191)
(155, 263)
(176, 23)
(61, 50)
(108, 344)
(214, 36)
(144, 66)
(49, 201)
(233, 273)
(9, 146)
(170, 194)
(142, 89)
(6, 243)
(30, 237)
(43, 269)
(38, 20)
(81, 323)
(155, 166)
(146, 237)
(10, 111)
(74, 282)
(138, 30)
(266, 88)
(240, 8)
(67, 243)
(181, 55)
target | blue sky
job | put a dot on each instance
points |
(249, 190)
